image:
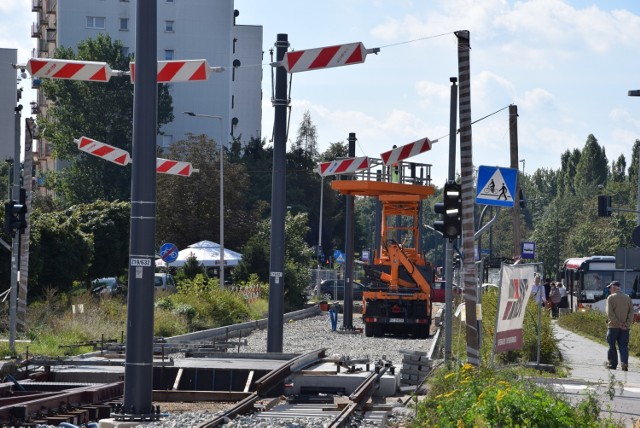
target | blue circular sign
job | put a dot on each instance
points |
(169, 252)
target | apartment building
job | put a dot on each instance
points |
(187, 29)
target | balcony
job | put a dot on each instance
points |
(36, 30)
(51, 35)
(36, 5)
(52, 6)
(43, 47)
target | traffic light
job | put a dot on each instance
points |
(604, 206)
(15, 217)
(451, 209)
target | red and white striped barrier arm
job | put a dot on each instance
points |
(326, 57)
(104, 151)
(408, 150)
(71, 70)
(122, 157)
(193, 70)
(343, 166)
(167, 166)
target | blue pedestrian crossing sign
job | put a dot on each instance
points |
(496, 186)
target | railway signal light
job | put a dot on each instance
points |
(14, 217)
(604, 206)
(451, 210)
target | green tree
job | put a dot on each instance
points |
(101, 111)
(299, 258)
(618, 169)
(307, 138)
(189, 207)
(568, 166)
(592, 169)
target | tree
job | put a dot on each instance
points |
(101, 111)
(189, 207)
(299, 257)
(592, 169)
(618, 169)
(307, 138)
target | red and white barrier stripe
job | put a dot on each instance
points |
(406, 151)
(167, 166)
(327, 57)
(343, 166)
(181, 71)
(70, 69)
(104, 151)
(122, 157)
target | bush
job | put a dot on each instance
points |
(472, 397)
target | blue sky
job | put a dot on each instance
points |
(567, 65)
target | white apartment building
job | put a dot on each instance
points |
(187, 29)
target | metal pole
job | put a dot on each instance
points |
(636, 93)
(347, 319)
(221, 243)
(138, 375)
(15, 247)
(448, 246)
(278, 203)
(320, 228)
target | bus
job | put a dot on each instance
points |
(586, 278)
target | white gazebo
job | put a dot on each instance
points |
(207, 253)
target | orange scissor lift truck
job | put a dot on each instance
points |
(397, 298)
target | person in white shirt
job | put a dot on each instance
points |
(538, 292)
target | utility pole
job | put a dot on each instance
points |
(468, 200)
(448, 245)
(513, 146)
(347, 319)
(278, 203)
(15, 243)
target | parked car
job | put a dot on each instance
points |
(164, 282)
(438, 291)
(107, 287)
(331, 287)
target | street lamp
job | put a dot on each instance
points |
(636, 93)
(190, 113)
(522, 160)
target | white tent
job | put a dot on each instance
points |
(207, 253)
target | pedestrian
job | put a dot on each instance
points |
(547, 286)
(620, 317)
(555, 297)
(564, 299)
(333, 315)
(538, 291)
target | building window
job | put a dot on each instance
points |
(169, 1)
(96, 22)
(168, 54)
(166, 141)
(125, 51)
(124, 24)
(168, 26)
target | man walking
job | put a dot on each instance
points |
(620, 317)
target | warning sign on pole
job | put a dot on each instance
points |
(327, 57)
(408, 150)
(70, 69)
(496, 186)
(343, 166)
(193, 70)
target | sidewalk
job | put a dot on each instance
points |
(586, 359)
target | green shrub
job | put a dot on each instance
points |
(470, 397)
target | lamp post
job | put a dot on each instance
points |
(636, 93)
(190, 113)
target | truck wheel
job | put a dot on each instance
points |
(368, 329)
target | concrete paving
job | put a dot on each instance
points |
(587, 359)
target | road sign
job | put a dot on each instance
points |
(343, 166)
(326, 57)
(169, 252)
(406, 151)
(192, 70)
(70, 69)
(496, 186)
(104, 151)
(528, 250)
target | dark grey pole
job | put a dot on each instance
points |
(347, 319)
(138, 374)
(278, 203)
(15, 244)
(448, 246)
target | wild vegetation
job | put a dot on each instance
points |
(503, 392)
